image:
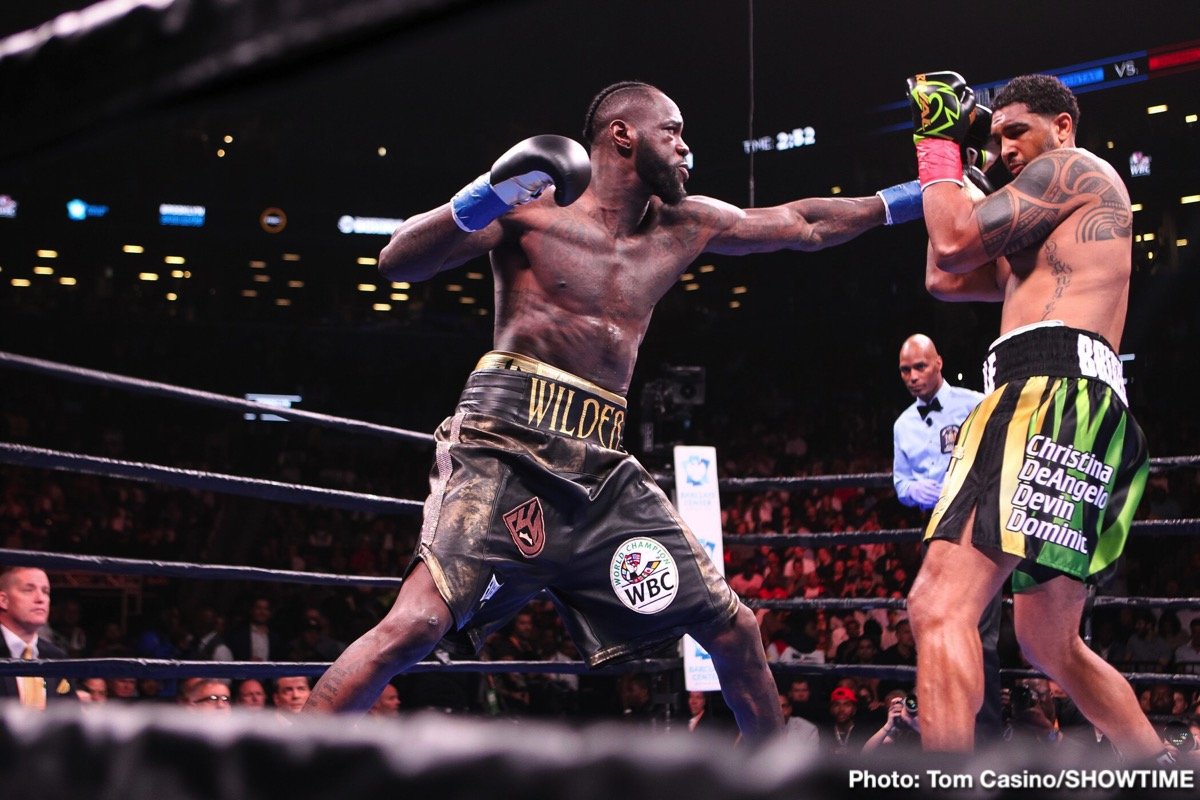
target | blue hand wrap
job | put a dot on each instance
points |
(902, 203)
(477, 204)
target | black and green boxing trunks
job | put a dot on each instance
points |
(1051, 460)
(531, 490)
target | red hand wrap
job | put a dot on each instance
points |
(938, 160)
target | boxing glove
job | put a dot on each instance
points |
(942, 106)
(520, 175)
(977, 158)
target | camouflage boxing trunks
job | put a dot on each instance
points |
(530, 490)
(1051, 459)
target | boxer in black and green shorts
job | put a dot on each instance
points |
(531, 490)
(1051, 460)
(1050, 466)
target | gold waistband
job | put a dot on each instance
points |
(499, 359)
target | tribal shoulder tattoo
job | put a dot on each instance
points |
(1041, 197)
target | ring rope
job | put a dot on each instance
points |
(24, 455)
(1145, 527)
(878, 479)
(871, 603)
(184, 569)
(177, 668)
(171, 668)
(140, 386)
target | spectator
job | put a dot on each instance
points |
(255, 639)
(1034, 717)
(388, 703)
(804, 704)
(902, 727)
(123, 689)
(904, 651)
(1162, 700)
(749, 580)
(314, 642)
(848, 644)
(250, 694)
(290, 695)
(637, 700)
(24, 608)
(1145, 651)
(152, 689)
(92, 690)
(207, 644)
(842, 736)
(1189, 651)
(68, 632)
(703, 710)
(802, 736)
(209, 695)
(698, 712)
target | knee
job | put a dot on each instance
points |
(923, 613)
(1046, 654)
(740, 637)
(406, 633)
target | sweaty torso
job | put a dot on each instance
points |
(571, 294)
(1079, 273)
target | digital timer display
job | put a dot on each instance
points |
(784, 140)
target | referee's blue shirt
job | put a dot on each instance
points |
(922, 447)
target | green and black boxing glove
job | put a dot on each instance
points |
(942, 110)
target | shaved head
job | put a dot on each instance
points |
(919, 344)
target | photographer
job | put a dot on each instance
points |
(1032, 716)
(902, 727)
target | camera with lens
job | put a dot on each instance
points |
(910, 711)
(1177, 734)
(1024, 698)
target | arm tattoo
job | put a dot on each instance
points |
(1062, 276)
(1043, 195)
(330, 685)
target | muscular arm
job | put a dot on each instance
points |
(431, 242)
(808, 225)
(965, 235)
(984, 284)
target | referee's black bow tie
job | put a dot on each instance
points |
(934, 405)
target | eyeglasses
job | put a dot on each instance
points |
(212, 698)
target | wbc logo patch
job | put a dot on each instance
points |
(525, 525)
(644, 576)
(949, 437)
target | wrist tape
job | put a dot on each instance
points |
(938, 160)
(477, 204)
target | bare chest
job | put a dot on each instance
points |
(580, 262)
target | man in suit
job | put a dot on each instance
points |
(255, 639)
(24, 608)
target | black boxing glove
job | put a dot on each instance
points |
(520, 175)
(977, 158)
